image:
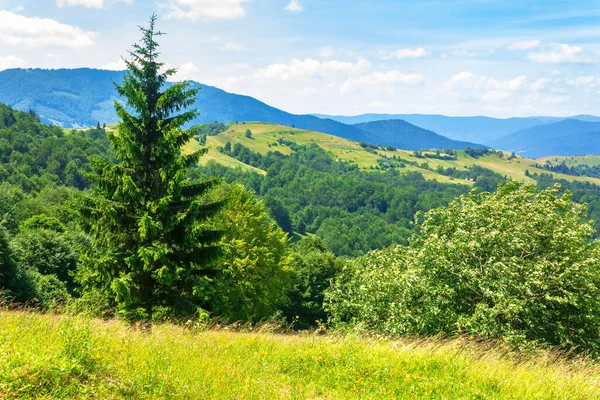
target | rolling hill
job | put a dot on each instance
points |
(404, 135)
(563, 138)
(265, 138)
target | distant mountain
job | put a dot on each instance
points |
(82, 97)
(568, 137)
(404, 135)
(473, 129)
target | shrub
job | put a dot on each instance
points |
(515, 264)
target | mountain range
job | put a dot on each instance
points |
(83, 97)
(403, 135)
(570, 137)
(477, 129)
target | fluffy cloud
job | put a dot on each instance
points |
(589, 84)
(525, 45)
(488, 89)
(12, 62)
(205, 9)
(410, 53)
(382, 78)
(18, 30)
(90, 3)
(185, 71)
(294, 6)
(310, 67)
(560, 53)
(118, 65)
(404, 53)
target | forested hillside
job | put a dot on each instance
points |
(83, 97)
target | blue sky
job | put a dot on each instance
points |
(467, 57)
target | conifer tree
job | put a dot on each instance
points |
(151, 248)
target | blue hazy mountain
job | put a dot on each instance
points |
(483, 130)
(404, 135)
(83, 97)
(567, 137)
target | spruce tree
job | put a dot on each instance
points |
(151, 248)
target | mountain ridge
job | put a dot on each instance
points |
(404, 135)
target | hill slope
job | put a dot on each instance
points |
(567, 137)
(71, 357)
(265, 138)
(404, 135)
(82, 97)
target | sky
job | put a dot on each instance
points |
(498, 58)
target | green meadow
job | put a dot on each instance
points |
(53, 357)
(265, 136)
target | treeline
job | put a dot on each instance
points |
(592, 171)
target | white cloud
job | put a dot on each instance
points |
(325, 52)
(410, 53)
(90, 3)
(524, 45)
(462, 80)
(539, 84)
(470, 86)
(205, 9)
(310, 67)
(12, 62)
(294, 6)
(118, 65)
(560, 53)
(18, 30)
(383, 78)
(185, 71)
(590, 84)
(405, 53)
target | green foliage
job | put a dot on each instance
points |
(45, 250)
(255, 266)
(314, 266)
(34, 155)
(516, 264)
(151, 244)
(248, 133)
(353, 211)
(8, 267)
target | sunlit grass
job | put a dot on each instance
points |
(70, 357)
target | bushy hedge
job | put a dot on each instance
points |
(516, 264)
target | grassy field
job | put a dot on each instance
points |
(592, 160)
(265, 137)
(53, 357)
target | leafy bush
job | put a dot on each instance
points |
(515, 264)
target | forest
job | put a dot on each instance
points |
(125, 224)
